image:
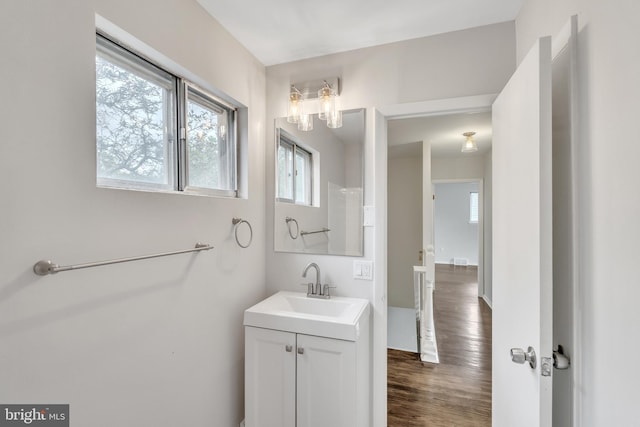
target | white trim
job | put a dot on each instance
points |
(488, 301)
(155, 56)
(439, 107)
(567, 38)
(379, 301)
(378, 128)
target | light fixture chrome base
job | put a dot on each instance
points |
(310, 89)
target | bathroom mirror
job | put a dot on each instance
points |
(319, 186)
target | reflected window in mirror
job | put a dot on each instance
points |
(295, 172)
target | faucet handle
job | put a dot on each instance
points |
(309, 287)
(325, 290)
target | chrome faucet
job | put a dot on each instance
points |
(318, 287)
(317, 291)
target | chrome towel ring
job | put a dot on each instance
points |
(236, 222)
(289, 220)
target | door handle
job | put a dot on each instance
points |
(300, 350)
(560, 360)
(288, 348)
(518, 355)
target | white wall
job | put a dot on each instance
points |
(416, 70)
(609, 66)
(404, 230)
(457, 168)
(155, 342)
(455, 236)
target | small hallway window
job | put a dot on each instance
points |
(473, 208)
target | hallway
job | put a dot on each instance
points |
(456, 392)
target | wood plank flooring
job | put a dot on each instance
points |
(456, 392)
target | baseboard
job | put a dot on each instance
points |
(488, 301)
(453, 265)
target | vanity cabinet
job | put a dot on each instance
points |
(299, 380)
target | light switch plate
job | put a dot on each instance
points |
(369, 216)
(363, 270)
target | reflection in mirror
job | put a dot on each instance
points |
(319, 187)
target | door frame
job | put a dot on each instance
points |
(378, 128)
(566, 37)
(481, 219)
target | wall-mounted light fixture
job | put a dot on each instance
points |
(469, 146)
(295, 104)
(302, 103)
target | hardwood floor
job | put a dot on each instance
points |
(456, 392)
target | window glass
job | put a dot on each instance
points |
(473, 207)
(209, 148)
(285, 171)
(303, 177)
(134, 120)
(294, 172)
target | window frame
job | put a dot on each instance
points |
(231, 143)
(284, 138)
(176, 134)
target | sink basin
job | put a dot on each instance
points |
(338, 317)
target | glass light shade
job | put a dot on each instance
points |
(334, 120)
(327, 99)
(295, 106)
(305, 122)
(469, 146)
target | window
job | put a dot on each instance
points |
(294, 172)
(210, 153)
(473, 208)
(156, 131)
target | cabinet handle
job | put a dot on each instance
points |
(288, 348)
(300, 350)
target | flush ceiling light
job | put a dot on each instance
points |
(469, 146)
(302, 103)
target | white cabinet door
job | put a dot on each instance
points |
(522, 242)
(327, 391)
(270, 378)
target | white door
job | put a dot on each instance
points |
(327, 389)
(270, 378)
(522, 242)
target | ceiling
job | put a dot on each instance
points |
(278, 31)
(405, 136)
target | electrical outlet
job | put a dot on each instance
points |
(363, 270)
